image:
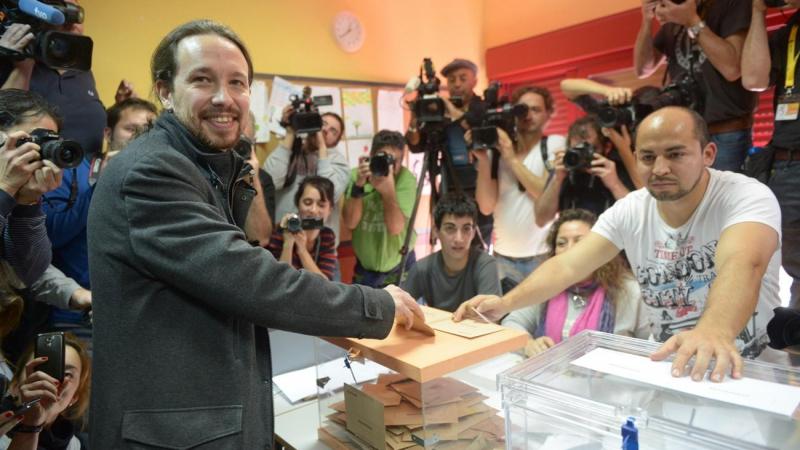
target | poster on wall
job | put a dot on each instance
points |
(259, 100)
(336, 98)
(281, 91)
(358, 113)
(390, 110)
(357, 148)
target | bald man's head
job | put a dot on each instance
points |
(675, 118)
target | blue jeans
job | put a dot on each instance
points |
(732, 147)
(514, 270)
(785, 183)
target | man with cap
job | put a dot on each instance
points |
(459, 173)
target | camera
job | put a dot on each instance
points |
(295, 224)
(429, 107)
(684, 92)
(775, 3)
(493, 112)
(64, 153)
(55, 49)
(579, 157)
(380, 164)
(306, 118)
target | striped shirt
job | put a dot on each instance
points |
(324, 251)
(25, 245)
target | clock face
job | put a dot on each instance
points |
(348, 32)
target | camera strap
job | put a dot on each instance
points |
(545, 161)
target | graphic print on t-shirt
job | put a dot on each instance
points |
(675, 282)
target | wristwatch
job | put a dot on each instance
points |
(694, 30)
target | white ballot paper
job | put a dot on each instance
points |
(766, 396)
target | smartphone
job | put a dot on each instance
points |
(51, 345)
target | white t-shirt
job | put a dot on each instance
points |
(676, 266)
(516, 232)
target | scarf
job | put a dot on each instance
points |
(597, 315)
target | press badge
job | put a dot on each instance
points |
(788, 107)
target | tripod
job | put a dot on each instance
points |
(431, 167)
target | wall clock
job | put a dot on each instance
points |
(348, 31)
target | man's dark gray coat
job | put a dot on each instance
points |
(182, 301)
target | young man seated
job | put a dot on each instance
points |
(458, 271)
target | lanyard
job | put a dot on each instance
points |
(791, 59)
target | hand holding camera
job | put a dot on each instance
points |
(362, 177)
(16, 38)
(605, 169)
(44, 179)
(505, 145)
(18, 162)
(680, 12)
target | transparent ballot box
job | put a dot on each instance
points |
(588, 392)
(432, 387)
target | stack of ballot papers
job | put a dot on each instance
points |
(452, 414)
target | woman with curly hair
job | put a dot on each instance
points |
(607, 301)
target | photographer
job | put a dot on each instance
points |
(766, 62)
(24, 177)
(592, 178)
(522, 175)
(317, 155)
(581, 91)
(310, 247)
(462, 76)
(52, 423)
(377, 206)
(702, 40)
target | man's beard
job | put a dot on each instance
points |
(673, 196)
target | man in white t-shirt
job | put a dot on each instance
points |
(702, 243)
(519, 245)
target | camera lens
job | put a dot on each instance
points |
(63, 153)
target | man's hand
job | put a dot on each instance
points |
(124, 91)
(363, 174)
(759, 6)
(491, 306)
(44, 179)
(560, 169)
(285, 115)
(81, 299)
(17, 164)
(618, 95)
(703, 344)
(538, 345)
(684, 14)
(453, 112)
(621, 139)
(17, 37)
(606, 170)
(406, 310)
(505, 145)
(649, 9)
(384, 185)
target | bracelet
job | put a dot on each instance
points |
(22, 428)
(356, 191)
